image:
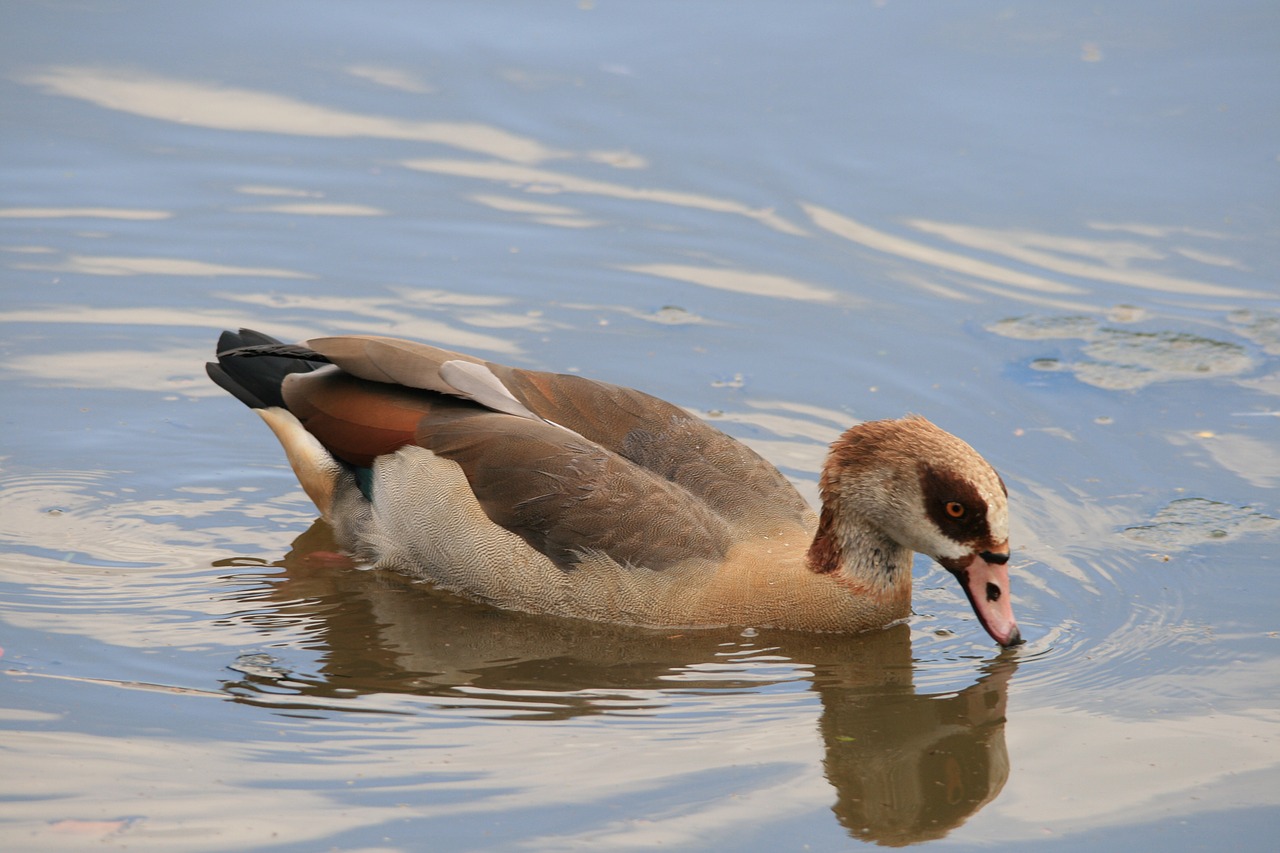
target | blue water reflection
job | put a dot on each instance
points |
(1051, 229)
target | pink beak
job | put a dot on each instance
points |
(985, 579)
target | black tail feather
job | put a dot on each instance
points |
(252, 366)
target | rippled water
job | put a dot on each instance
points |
(1051, 230)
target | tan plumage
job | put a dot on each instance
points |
(557, 494)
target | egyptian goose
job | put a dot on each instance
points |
(552, 493)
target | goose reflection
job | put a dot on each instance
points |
(906, 766)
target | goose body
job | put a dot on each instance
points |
(557, 494)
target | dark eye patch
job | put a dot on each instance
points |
(941, 488)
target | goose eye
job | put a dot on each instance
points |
(955, 509)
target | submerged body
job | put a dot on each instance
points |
(552, 493)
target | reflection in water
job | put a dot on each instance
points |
(556, 215)
(129, 214)
(547, 181)
(120, 266)
(282, 192)
(160, 369)
(225, 108)
(1051, 257)
(76, 315)
(401, 312)
(392, 78)
(909, 767)
(1155, 698)
(1096, 260)
(738, 281)
(844, 226)
(315, 209)
(1049, 270)
(905, 766)
(1254, 460)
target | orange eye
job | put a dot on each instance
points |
(955, 509)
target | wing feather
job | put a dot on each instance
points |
(668, 441)
(566, 496)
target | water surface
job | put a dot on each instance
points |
(1051, 230)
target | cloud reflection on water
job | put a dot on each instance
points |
(740, 281)
(557, 215)
(393, 78)
(1048, 270)
(315, 209)
(122, 266)
(873, 238)
(1057, 271)
(127, 214)
(1105, 261)
(547, 181)
(225, 108)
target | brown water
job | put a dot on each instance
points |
(1054, 231)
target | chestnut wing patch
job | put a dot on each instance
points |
(356, 419)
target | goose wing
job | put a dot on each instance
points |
(730, 478)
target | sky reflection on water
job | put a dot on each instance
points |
(1052, 231)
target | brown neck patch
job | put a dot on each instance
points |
(824, 554)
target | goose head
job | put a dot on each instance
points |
(920, 488)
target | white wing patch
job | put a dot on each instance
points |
(477, 382)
